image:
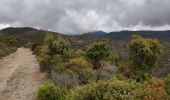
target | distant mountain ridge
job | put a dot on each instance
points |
(35, 34)
(98, 33)
(17, 30)
(126, 35)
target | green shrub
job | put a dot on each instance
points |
(113, 58)
(108, 90)
(58, 46)
(144, 55)
(79, 63)
(37, 50)
(167, 85)
(50, 92)
(95, 53)
(65, 79)
(58, 58)
(44, 49)
(49, 37)
(34, 45)
(45, 63)
(82, 68)
(79, 54)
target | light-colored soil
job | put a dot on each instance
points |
(20, 76)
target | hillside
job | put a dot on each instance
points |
(27, 33)
(9, 44)
(118, 41)
(70, 62)
(17, 30)
(34, 34)
(126, 35)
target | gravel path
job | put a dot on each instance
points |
(20, 76)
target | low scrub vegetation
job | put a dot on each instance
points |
(9, 44)
(50, 92)
(96, 72)
(167, 85)
(108, 90)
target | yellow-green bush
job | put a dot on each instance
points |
(79, 63)
(144, 55)
(45, 63)
(58, 58)
(50, 92)
(37, 50)
(79, 54)
(82, 68)
(34, 45)
(167, 85)
(113, 58)
(108, 90)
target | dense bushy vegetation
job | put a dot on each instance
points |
(155, 90)
(95, 53)
(88, 73)
(50, 92)
(144, 56)
(167, 85)
(108, 90)
(9, 44)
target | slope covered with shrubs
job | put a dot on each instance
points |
(9, 44)
(89, 73)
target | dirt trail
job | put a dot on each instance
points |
(20, 76)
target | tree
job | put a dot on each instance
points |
(144, 54)
(96, 52)
(53, 47)
(56, 46)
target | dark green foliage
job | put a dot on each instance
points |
(56, 45)
(9, 44)
(95, 53)
(34, 45)
(59, 46)
(11, 41)
(51, 52)
(50, 92)
(17, 31)
(144, 55)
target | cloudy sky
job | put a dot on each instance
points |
(78, 16)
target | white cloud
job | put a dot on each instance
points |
(78, 16)
(4, 26)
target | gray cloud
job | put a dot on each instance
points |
(78, 16)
